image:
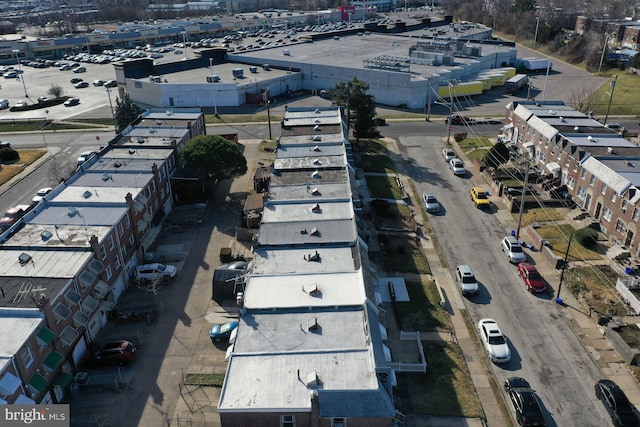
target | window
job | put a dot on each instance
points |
(117, 262)
(625, 203)
(614, 195)
(571, 182)
(287, 421)
(606, 214)
(27, 356)
(131, 240)
(111, 244)
(127, 221)
(620, 227)
(153, 187)
(636, 214)
(581, 193)
(592, 180)
(120, 229)
(109, 272)
(338, 422)
(583, 174)
(103, 253)
(603, 189)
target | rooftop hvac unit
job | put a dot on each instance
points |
(238, 73)
(213, 79)
(253, 69)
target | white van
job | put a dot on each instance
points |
(4, 104)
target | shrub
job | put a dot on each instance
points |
(460, 136)
(587, 237)
(9, 155)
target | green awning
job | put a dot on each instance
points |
(38, 382)
(62, 379)
(53, 360)
(46, 335)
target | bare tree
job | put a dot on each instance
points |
(61, 168)
(581, 98)
(55, 90)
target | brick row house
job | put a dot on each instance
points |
(67, 262)
(598, 166)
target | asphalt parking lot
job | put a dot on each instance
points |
(37, 82)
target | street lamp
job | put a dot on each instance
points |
(16, 51)
(613, 87)
(184, 43)
(535, 37)
(215, 105)
(111, 106)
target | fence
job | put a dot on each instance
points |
(411, 367)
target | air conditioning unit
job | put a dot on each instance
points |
(213, 79)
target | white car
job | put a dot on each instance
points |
(431, 204)
(40, 194)
(84, 156)
(466, 280)
(155, 271)
(513, 249)
(457, 167)
(448, 154)
(21, 104)
(495, 343)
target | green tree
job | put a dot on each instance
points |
(362, 106)
(126, 112)
(213, 158)
(497, 155)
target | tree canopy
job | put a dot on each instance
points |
(126, 112)
(213, 159)
(362, 106)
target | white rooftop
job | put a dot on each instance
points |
(312, 140)
(291, 291)
(17, 324)
(42, 263)
(294, 261)
(62, 236)
(313, 192)
(83, 195)
(307, 212)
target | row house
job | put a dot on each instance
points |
(191, 119)
(68, 260)
(596, 165)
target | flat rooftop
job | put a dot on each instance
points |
(52, 236)
(307, 212)
(308, 233)
(44, 264)
(51, 214)
(315, 151)
(313, 192)
(292, 177)
(180, 114)
(84, 195)
(117, 178)
(284, 261)
(320, 161)
(140, 153)
(130, 164)
(288, 139)
(17, 325)
(305, 290)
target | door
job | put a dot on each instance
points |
(596, 214)
(587, 202)
(629, 238)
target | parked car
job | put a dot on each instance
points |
(43, 99)
(12, 215)
(431, 204)
(84, 156)
(222, 332)
(532, 279)
(457, 119)
(76, 80)
(4, 104)
(98, 82)
(525, 402)
(155, 271)
(81, 85)
(5, 144)
(466, 280)
(21, 104)
(11, 74)
(479, 198)
(111, 83)
(616, 128)
(379, 121)
(495, 343)
(448, 154)
(114, 353)
(40, 194)
(65, 67)
(512, 248)
(79, 70)
(622, 412)
(71, 102)
(457, 167)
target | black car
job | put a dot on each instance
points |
(114, 353)
(622, 412)
(76, 80)
(525, 402)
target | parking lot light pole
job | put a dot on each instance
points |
(17, 51)
(215, 104)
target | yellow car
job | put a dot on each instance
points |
(479, 198)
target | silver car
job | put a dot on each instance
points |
(431, 204)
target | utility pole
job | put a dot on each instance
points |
(450, 112)
(613, 87)
(429, 100)
(524, 193)
(564, 267)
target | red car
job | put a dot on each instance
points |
(114, 353)
(531, 277)
(13, 215)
